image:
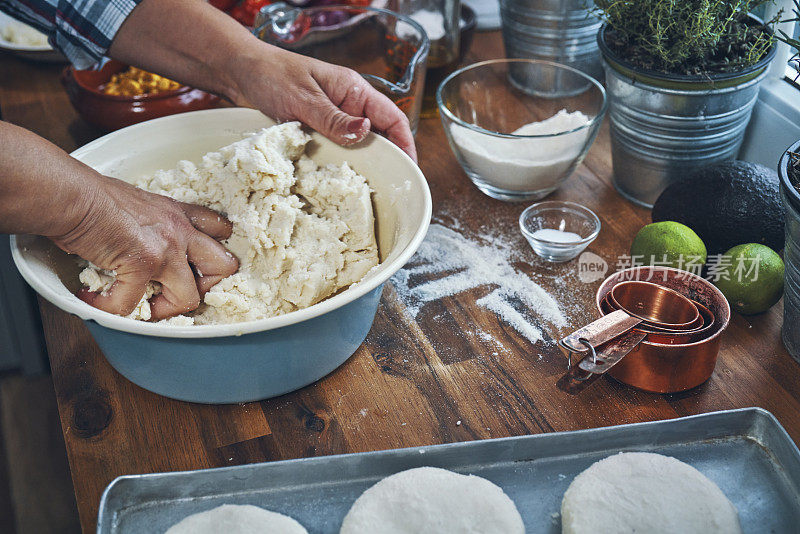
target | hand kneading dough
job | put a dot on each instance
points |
(648, 493)
(431, 500)
(237, 519)
(301, 232)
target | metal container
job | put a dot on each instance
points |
(246, 361)
(562, 31)
(534, 471)
(670, 368)
(664, 126)
(791, 257)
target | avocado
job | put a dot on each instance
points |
(727, 204)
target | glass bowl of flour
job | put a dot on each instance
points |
(520, 142)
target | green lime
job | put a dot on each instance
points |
(750, 276)
(668, 244)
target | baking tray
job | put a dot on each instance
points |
(746, 452)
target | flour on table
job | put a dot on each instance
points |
(525, 164)
(301, 232)
(453, 264)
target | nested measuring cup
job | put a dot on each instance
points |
(388, 49)
(636, 303)
(640, 306)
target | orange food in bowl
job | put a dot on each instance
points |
(134, 82)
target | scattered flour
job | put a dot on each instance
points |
(458, 264)
(525, 164)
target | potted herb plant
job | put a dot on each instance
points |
(789, 171)
(682, 78)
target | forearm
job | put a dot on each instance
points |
(191, 42)
(42, 189)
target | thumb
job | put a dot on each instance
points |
(123, 297)
(335, 124)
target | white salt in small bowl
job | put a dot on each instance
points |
(558, 231)
(520, 127)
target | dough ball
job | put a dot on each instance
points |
(237, 519)
(428, 499)
(642, 492)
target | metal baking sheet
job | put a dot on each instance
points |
(746, 452)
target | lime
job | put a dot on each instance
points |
(668, 244)
(750, 276)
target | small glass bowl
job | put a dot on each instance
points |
(563, 216)
(483, 106)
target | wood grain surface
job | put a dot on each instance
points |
(418, 381)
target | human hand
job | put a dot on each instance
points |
(198, 45)
(335, 101)
(143, 237)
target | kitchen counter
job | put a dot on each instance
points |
(455, 373)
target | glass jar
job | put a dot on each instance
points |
(440, 20)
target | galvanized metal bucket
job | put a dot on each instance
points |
(562, 31)
(664, 127)
(791, 256)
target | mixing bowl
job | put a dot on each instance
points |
(246, 361)
(483, 111)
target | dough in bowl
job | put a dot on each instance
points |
(237, 519)
(301, 232)
(431, 500)
(642, 492)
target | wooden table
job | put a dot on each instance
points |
(412, 382)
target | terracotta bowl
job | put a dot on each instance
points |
(112, 112)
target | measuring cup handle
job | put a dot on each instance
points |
(600, 331)
(595, 364)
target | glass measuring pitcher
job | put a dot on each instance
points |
(389, 50)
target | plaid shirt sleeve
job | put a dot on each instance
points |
(81, 29)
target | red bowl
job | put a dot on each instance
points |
(111, 112)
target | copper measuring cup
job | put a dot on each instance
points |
(657, 335)
(638, 303)
(666, 367)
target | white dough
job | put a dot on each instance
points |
(642, 492)
(301, 232)
(237, 519)
(431, 500)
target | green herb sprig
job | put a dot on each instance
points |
(788, 39)
(693, 37)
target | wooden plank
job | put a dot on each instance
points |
(454, 372)
(38, 473)
(7, 516)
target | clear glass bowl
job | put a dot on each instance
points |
(483, 106)
(562, 217)
(389, 50)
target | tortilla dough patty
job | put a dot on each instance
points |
(645, 492)
(237, 519)
(428, 499)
